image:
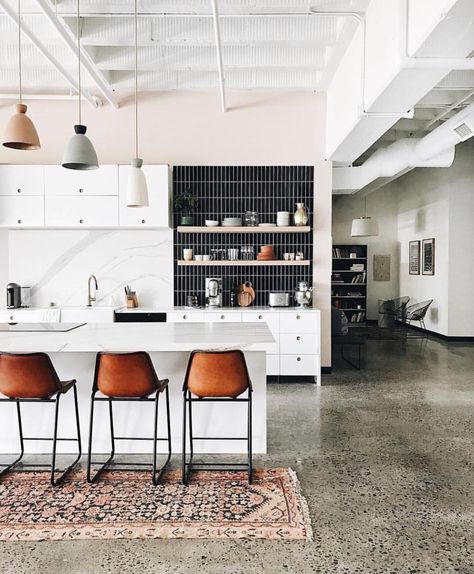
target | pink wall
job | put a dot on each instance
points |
(186, 128)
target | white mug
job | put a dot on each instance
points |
(198, 257)
(188, 254)
(206, 257)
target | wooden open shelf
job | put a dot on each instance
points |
(220, 229)
(252, 262)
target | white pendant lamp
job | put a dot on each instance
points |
(364, 226)
(79, 153)
(20, 132)
(137, 190)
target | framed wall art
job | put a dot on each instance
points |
(414, 258)
(428, 256)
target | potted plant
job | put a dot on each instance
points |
(184, 203)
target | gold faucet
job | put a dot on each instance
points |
(91, 299)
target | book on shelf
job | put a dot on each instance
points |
(358, 317)
(357, 267)
(337, 278)
(346, 253)
(360, 278)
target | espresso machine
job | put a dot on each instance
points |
(13, 296)
(213, 292)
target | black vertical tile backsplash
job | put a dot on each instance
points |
(226, 191)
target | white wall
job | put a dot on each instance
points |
(381, 205)
(422, 204)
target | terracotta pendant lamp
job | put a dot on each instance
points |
(20, 132)
(79, 153)
(364, 226)
(137, 190)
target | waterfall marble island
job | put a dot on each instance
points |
(73, 349)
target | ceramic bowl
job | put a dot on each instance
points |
(211, 223)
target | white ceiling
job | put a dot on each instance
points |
(267, 44)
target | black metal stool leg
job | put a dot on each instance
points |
(11, 465)
(55, 481)
(191, 439)
(90, 462)
(184, 477)
(249, 430)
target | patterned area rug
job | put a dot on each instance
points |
(127, 505)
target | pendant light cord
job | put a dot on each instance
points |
(136, 79)
(19, 51)
(79, 61)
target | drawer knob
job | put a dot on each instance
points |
(81, 190)
(298, 338)
(81, 221)
(185, 317)
(298, 359)
(260, 317)
(19, 190)
(298, 317)
(19, 221)
(11, 317)
(222, 316)
(143, 220)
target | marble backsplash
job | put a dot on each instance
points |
(57, 263)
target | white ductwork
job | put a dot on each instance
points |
(437, 149)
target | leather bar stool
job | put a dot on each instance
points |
(215, 376)
(128, 377)
(32, 378)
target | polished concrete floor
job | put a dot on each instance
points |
(386, 461)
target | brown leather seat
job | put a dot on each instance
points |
(126, 375)
(217, 374)
(30, 376)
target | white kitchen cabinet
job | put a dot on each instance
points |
(297, 322)
(273, 365)
(81, 211)
(59, 181)
(222, 317)
(299, 343)
(21, 316)
(272, 319)
(304, 365)
(21, 211)
(87, 314)
(158, 212)
(185, 317)
(21, 180)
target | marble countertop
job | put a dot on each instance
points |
(158, 337)
(250, 309)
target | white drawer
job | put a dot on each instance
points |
(87, 315)
(299, 322)
(15, 316)
(299, 365)
(185, 317)
(222, 317)
(271, 319)
(299, 343)
(273, 364)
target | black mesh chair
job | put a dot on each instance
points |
(417, 312)
(394, 308)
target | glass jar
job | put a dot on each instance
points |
(251, 219)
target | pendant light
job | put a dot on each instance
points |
(364, 226)
(137, 190)
(79, 153)
(20, 132)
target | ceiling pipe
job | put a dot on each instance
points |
(220, 65)
(437, 149)
(26, 30)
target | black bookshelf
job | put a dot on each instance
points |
(349, 282)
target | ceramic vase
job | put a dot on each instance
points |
(301, 215)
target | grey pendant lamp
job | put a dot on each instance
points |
(137, 190)
(20, 132)
(79, 153)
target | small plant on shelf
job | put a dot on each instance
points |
(184, 203)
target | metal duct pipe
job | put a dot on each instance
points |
(437, 149)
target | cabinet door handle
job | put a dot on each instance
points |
(222, 316)
(11, 317)
(143, 220)
(81, 221)
(185, 317)
(19, 190)
(81, 190)
(298, 359)
(260, 317)
(19, 221)
(298, 317)
(298, 338)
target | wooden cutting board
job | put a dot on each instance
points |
(245, 294)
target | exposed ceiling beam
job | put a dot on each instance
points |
(88, 64)
(220, 65)
(46, 53)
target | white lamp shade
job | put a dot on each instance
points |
(80, 153)
(137, 190)
(364, 227)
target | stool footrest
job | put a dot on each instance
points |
(49, 438)
(219, 438)
(136, 438)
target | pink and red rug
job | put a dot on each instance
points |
(126, 505)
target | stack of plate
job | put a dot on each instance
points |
(232, 222)
(266, 253)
